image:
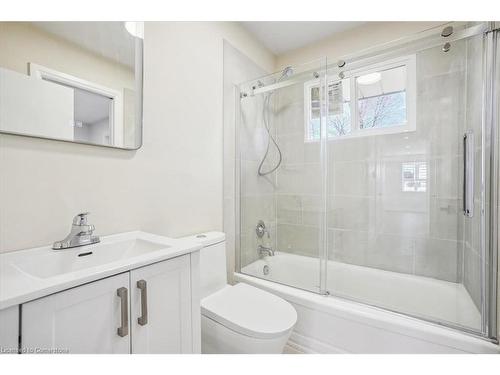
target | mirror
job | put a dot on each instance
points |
(72, 81)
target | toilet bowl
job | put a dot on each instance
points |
(239, 318)
(245, 319)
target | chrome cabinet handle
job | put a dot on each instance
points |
(123, 294)
(143, 286)
(468, 187)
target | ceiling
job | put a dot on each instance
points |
(283, 36)
(108, 39)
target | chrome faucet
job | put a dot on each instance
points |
(80, 235)
(264, 250)
(261, 230)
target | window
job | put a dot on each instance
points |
(383, 101)
(414, 177)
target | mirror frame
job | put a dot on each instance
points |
(139, 121)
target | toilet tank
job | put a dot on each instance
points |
(213, 273)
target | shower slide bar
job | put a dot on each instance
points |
(420, 41)
(407, 45)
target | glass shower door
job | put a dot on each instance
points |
(369, 179)
(405, 193)
(282, 182)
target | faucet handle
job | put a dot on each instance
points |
(81, 218)
(261, 229)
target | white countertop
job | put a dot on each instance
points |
(17, 286)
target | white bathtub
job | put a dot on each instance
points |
(335, 325)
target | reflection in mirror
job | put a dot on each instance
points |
(72, 81)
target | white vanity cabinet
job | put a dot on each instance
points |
(146, 310)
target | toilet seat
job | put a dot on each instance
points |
(250, 311)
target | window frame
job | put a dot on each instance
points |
(408, 61)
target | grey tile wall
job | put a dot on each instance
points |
(371, 221)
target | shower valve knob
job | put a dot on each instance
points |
(261, 229)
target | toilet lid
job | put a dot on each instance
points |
(250, 311)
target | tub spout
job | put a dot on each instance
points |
(264, 250)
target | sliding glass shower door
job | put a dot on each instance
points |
(405, 195)
(372, 178)
(282, 186)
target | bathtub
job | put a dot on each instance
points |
(328, 324)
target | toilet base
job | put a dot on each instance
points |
(218, 339)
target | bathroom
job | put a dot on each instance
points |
(249, 187)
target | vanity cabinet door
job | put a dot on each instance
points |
(161, 307)
(9, 330)
(92, 318)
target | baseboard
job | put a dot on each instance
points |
(300, 344)
(291, 348)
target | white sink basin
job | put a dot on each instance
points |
(58, 262)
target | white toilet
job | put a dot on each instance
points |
(240, 318)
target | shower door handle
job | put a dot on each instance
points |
(468, 186)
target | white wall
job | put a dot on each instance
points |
(171, 186)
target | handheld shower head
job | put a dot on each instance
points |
(287, 72)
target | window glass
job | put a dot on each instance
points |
(382, 98)
(315, 114)
(339, 111)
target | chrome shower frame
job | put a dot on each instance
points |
(491, 163)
